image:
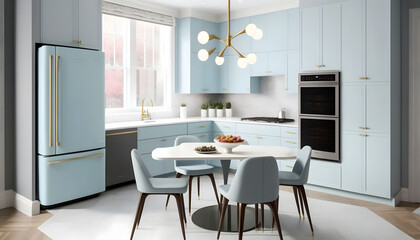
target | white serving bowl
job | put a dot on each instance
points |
(227, 146)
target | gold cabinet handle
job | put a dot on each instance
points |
(363, 135)
(290, 132)
(205, 89)
(72, 159)
(288, 166)
(319, 66)
(202, 135)
(268, 72)
(363, 78)
(290, 142)
(202, 126)
(75, 41)
(225, 126)
(258, 137)
(163, 140)
(80, 42)
(57, 142)
(247, 89)
(224, 89)
(364, 128)
(50, 103)
(120, 133)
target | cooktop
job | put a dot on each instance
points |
(267, 119)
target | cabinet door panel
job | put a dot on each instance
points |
(353, 162)
(197, 74)
(310, 38)
(260, 68)
(90, 27)
(352, 107)
(277, 33)
(331, 37)
(263, 22)
(81, 93)
(353, 41)
(378, 170)
(378, 40)
(378, 112)
(250, 138)
(59, 22)
(243, 42)
(292, 71)
(293, 29)
(270, 141)
(198, 25)
(239, 79)
(277, 63)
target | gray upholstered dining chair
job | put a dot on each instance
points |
(297, 178)
(255, 182)
(147, 185)
(193, 168)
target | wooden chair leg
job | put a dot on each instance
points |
(190, 178)
(135, 217)
(213, 182)
(178, 175)
(144, 195)
(277, 211)
(198, 187)
(222, 215)
(183, 208)
(272, 206)
(301, 202)
(181, 215)
(305, 200)
(295, 192)
(262, 217)
(256, 217)
(241, 220)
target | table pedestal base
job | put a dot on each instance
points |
(208, 218)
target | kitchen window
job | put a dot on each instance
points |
(137, 62)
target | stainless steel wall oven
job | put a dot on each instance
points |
(319, 113)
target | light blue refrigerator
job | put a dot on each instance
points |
(71, 124)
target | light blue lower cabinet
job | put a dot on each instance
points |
(71, 176)
(323, 173)
(353, 162)
(204, 137)
(378, 165)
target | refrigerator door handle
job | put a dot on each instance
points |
(57, 142)
(50, 102)
(73, 159)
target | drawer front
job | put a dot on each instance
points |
(147, 146)
(204, 137)
(325, 174)
(270, 141)
(71, 176)
(258, 129)
(290, 132)
(200, 127)
(161, 131)
(224, 127)
(286, 165)
(290, 142)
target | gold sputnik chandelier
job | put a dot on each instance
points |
(251, 30)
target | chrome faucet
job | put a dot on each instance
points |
(145, 114)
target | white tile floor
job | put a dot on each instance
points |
(110, 216)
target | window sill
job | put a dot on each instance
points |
(134, 114)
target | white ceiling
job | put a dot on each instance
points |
(216, 6)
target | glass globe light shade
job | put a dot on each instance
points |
(251, 58)
(203, 55)
(258, 34)
(250, 29)
(242, 63)
(203, 37)
(219, 60)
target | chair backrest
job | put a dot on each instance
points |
(141, 173)
(186, 139)
(302, 164)
(255, 181)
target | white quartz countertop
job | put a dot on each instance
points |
(167, 121)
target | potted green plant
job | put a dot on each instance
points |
(228, 110)
(183, 111)
(219, 110)
(204, 108)
(212, 109)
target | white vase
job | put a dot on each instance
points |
(203, 113)
(212, 113)
(229, 113)
(183, 112)
(219, 113)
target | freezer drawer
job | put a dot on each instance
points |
(68, 177)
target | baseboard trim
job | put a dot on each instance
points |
(10, 198)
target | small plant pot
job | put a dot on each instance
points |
(219, 113)
(183, 112)
(212, 113)
(229, 113)
(203, 113)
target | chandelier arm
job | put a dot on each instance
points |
(211, 51)
(223, 51)
(239, 54)
(239, 33)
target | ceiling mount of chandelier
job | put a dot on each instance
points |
(251, 30)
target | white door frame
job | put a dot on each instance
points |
(414, 111)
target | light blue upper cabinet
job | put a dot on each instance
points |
(331, 37)
(260, 68)
(76, 23)
(242, 43)
(275, 28)
(378, 40)
(277, 63)
(310, 38)
(239, 79)
(293, 29)
(352, 107)
(292, 71)
(353, 41)
(223, 74)
(198, 25)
